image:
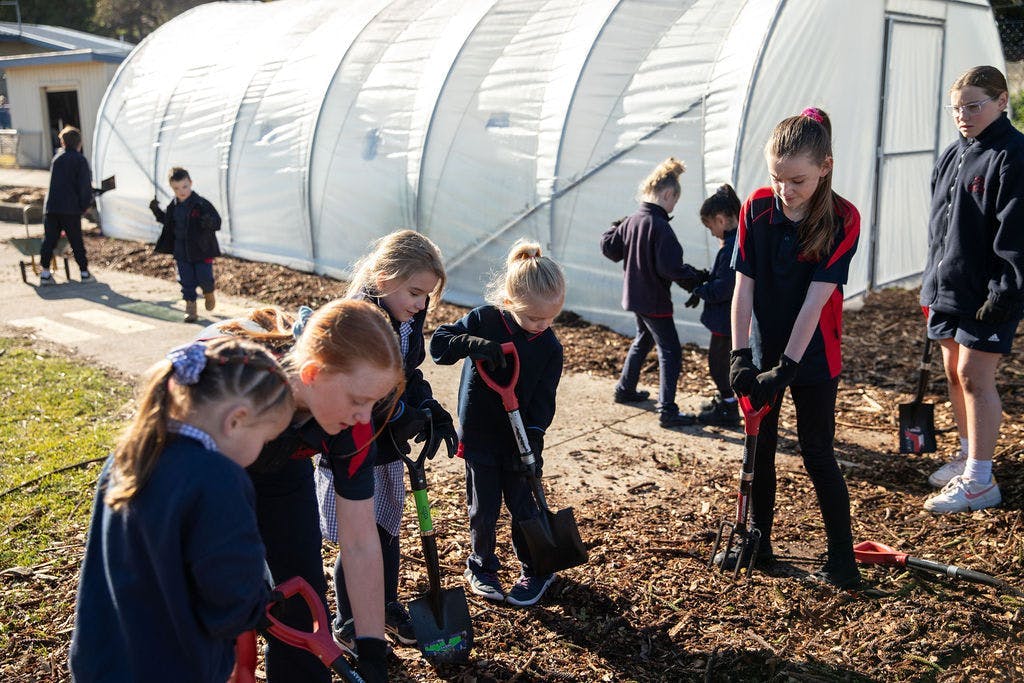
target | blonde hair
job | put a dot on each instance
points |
(528, 276)
(397, 257)
(987, 78)
(810, 134)
(235, 369)
(664, 177)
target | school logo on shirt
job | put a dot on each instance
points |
(977, 185)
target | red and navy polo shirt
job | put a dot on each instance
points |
(768, 252)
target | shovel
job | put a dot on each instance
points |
(869, 552)
(738, 529)
(552, 537)
(917, 419)
(440, 619)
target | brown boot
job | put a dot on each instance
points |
(190, 312)
(211, 300)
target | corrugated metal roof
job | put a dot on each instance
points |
(58, 38)
(63, 57)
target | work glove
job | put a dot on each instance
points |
(769, 384)
(154, 205)
(693, 301)
(443, 426)
(703, 275)
(373, 663)
(406, 423)
(742, 371)
(994, 311)
(478, 348)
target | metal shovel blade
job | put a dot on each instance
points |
(917, 428)
(445, 638)
(554, 541)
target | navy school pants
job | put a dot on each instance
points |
(486, 487)
(651, 332)
(71, 225)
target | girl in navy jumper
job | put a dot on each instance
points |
(652, 259)
(720, 213)
(174, 566)
(796, 239)
(523, 302)
(973, 283)
(341, 360)
(400, 275)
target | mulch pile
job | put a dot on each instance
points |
(646, 608)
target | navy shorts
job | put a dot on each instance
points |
(972, 334)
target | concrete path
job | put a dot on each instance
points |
(24, 177)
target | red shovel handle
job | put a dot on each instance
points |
(752, 418)
(506, 391)
(319, 641)
(869, 552)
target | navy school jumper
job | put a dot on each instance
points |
(717, 291)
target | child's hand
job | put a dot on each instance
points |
(693, 301)
(406, 424)
(154, 205)
(443, 425)
(478, 348)
(768, 384)
(742, 371)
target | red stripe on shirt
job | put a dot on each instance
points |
(831, 324)
(362, 436)
(851, 228)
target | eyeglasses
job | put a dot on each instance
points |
(971, 108)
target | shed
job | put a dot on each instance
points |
(54, 77)
(317, 125)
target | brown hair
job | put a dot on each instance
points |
(70, 137)
(724, 200)
(988, 78)
(807, 135)
(177, 173)
(397, 257)
(235, 369)
(664, 177)
(528, 275)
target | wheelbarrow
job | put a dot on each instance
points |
(440, 619)
(30, 246)
(738, 530)
(552, 537)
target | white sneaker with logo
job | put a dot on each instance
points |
(964, 495)
(953, 468)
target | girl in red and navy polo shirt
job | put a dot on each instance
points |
(796, 239)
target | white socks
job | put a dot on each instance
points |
(979, 471)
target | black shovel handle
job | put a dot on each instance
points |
(922, 377)
(954, 572)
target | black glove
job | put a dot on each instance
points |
(154, 205)
(373, 662)
(443, 426)
(405, 424)
(768, 384)
(742, 371)
(693, 301)
(703, 276)
(994, 311)
(478, 348)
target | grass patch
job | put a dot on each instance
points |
(54, 412)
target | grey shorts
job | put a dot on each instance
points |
(971, 333)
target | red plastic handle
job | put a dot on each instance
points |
(245, 658)
(752, 418)
(869, 552)
(506, 391)
(319, 641)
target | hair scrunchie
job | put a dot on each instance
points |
(814, 114)
(188, 361)
(300, 321)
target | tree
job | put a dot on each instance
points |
(76, 14)
(135, 19)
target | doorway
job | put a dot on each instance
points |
(62, 110)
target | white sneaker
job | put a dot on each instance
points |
(964, 495)
(953, 468)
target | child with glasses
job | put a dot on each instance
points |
(973, 282)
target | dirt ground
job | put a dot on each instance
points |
(645, 607)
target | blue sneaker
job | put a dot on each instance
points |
(529, 589)
(485, 584)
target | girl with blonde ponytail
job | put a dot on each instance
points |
(652, 259)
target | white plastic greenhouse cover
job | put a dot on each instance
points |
(315, 126)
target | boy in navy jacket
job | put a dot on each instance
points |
(69, 195)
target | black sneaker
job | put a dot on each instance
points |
(726, 559)
(484, 584)
(345, 636)
(86, 278)
(723, 413)
(623, 396)
(677, 419)
(46, 280)
(529, 589)
(839, 574)
(711, 402)
(398, 624)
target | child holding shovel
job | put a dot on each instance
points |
(174, 565)
(400, 275)
(796, 239)
(523, 302)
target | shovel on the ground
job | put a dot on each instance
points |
(869, 552)
(440, 619)
(917, 419)
(738, 529)
(552, 537)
